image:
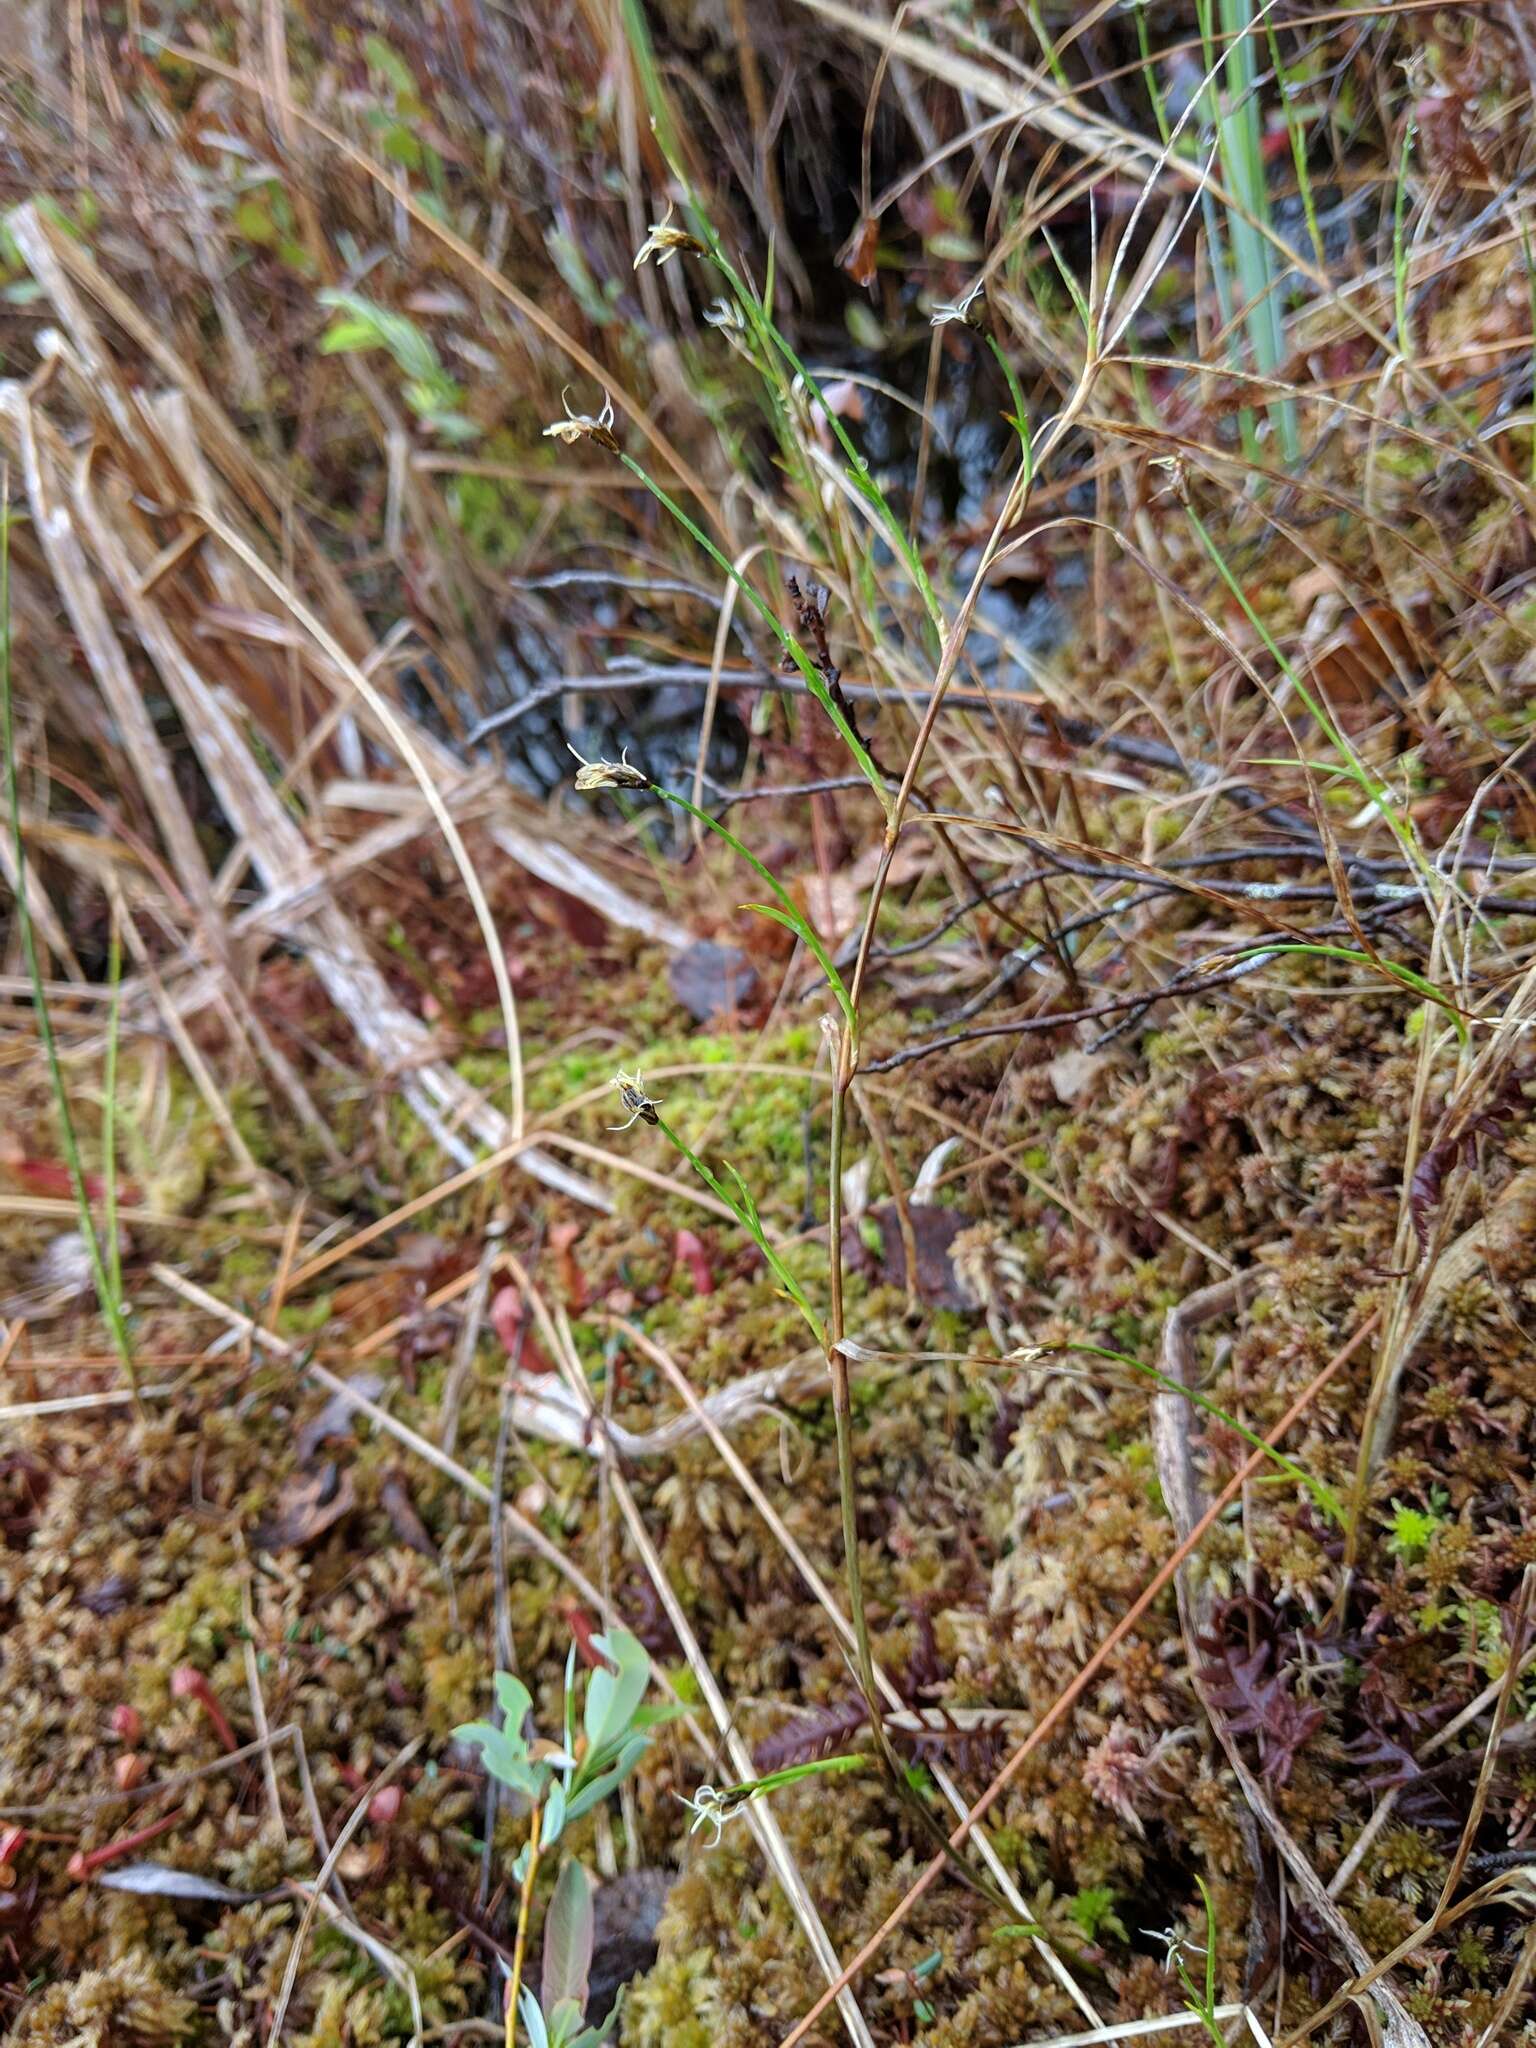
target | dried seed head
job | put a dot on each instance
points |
(581, 426)
(620, 774)
(664, 241)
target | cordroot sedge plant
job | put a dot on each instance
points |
(1035, 1330)
(789, 385)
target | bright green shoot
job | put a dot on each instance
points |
(1202, 1996)
(615, 1723)
(560, 1782)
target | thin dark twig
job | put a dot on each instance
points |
(1021, 957)
(1188, 981)
(1080, 731)
(1217, 858)
(1370, 921)
(768, 790)
(1054, 1020)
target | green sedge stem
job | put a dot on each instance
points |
(750, 1222)
(108, 1296)
(775, 1781)
(1408, 976)
(1317, 1489)
(814, 680)
(1020, 416)
(788, 915)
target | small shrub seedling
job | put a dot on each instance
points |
(560, 1783)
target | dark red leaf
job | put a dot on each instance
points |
(507, 1317)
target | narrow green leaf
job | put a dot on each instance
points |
(348, 336)
(793, 921)
(554, 1818)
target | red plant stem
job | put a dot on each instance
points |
(188, 1683)
(1085, 1676)
(85, 1863)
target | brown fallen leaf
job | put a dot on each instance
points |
(337, 1417)
(308, 1503)
(933, 1231)
(711, 980)
(858, 254)
(1361, 659)
(832, 903)
(411, 1530)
